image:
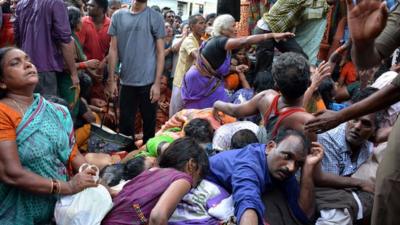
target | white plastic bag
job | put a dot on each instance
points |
(87, 207)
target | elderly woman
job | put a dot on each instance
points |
(203, 83)
(36, 144)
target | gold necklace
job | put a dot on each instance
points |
(18, 106)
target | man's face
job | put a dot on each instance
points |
(170, 17)
(285, 158)
(199, 27)
(112, 9)
(94, 9)
(361, 129)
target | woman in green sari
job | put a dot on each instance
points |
(37, 146)
(72, 95)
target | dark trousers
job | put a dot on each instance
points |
(134, 98)
(265, 50)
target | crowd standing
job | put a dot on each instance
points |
(295, 124)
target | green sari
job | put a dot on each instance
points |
(71, 95)
(45, 140)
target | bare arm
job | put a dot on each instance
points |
(160, 60)
(322, 179)
(12, 173)
(112, 63)
(155, 88)
(168, 201)
(236, 43)
(112, 58)
(307, 197)
(249, 217)
(377, 101)
(243, 81)
(240, 110)
(68, 51)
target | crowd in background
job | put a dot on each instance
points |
(294, 124)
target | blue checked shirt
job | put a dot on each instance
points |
(337, 155)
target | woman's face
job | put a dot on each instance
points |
(230, 31)
(18, 71)
(241, 55)
(168, 29)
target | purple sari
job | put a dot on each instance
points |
(202, 85)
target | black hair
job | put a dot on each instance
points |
(102, 4)
(74, 15)
(178, 154)
(3, 53)
(169, 11)
(284, 133)
(325, 90)
(210, 17)
(114, 2)
(134, 167)
(76, 3)
(200, 130)
(242, 138)
(194, 19)
(56, 99)
(156, 8)
(291, 73)
(363, 94)
(6, 7)
(177, 17)
(112, 174)
(263, 81)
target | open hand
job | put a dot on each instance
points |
(323, 71)
(366, 20)
(316, 154)
(282, 36)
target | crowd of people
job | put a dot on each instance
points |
(224, 129)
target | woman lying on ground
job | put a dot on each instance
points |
(151, 197)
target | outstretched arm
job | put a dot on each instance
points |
(327, 120)
(236, 43)
(240, 110)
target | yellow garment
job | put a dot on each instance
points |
(185, 61)
(82, 134)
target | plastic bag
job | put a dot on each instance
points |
(87, 207)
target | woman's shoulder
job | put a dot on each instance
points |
(9, 121)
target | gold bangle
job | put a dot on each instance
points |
(58, 187)
(51, 186)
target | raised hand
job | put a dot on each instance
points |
(323, 71)
(316, 154)
(366, 20)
